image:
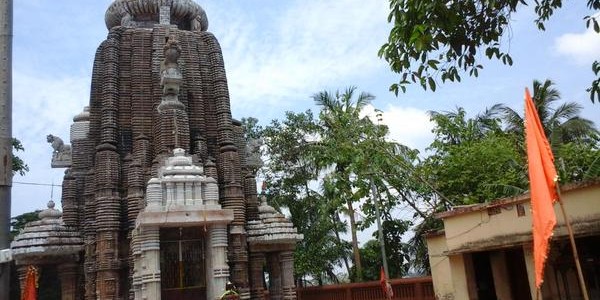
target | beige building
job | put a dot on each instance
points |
(485, 250)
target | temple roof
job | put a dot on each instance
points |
(272, 227)
(132, 12)
(47, 238)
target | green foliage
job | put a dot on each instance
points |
(17, 224)
(577, 161)
(342, 133)
(482, 158)
(593, 171)
(370, 253)
(352, 151)
(322, 167)
(396, 250)
(251, 128)
(18, 165)
(471, 160)
(418, 245)
(433, 39)
(594, 89)
(288, 175)
(562, 123)
(339, 152)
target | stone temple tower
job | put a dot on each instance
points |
(160, 184)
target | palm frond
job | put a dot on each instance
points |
(543, 96)
(565, 111)
(512, 120)
(505, 189)
(577, 128)
(594, 170)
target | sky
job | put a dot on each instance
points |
(277, 55)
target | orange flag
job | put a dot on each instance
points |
(542, 186)
(30, 290)
(388, 292)
(382, 281)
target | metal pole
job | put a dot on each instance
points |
(6, 20)
(379, 229)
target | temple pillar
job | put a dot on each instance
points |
(67, 274)
(89, 237)
(275, 288)
(530, 266)
(286, 258)
(251, 196)
(217, 269)
(148, 265)
(22, 272)
(257, 263)
(238, 259)
(500, 275)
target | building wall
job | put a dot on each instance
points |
(497, 226)
(448, 273)
(500, 225)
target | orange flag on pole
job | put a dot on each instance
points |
(542, 186)
(30, 289)
(382, 281)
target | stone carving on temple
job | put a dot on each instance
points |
(253, 154)
(61, 152)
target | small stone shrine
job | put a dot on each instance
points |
(158, 186)
(49, 242)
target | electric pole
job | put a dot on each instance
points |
(6, 32)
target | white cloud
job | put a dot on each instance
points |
(408, 126)
(583, 48)
(42, 105)
(309, 46)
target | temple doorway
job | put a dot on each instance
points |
(182, 263)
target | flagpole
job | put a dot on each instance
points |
(573, 246)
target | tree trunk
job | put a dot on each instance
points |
(336, 220)
(355, 249)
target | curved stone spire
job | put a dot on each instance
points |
(187, 14)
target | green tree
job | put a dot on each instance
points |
(18, 165)
(289, 172)
(324, 166)
(342, 132)
(578, 161)
(562, 124)
(396, 250)
(370, 254)
(251, 128)
(17, 224)
(473, 162)
(573, 139)
(437, 39)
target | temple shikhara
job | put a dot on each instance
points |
(159, 198)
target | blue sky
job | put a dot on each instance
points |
(277, 54)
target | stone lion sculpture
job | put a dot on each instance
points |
(253, 153)
(61, 152)
(57, 144)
